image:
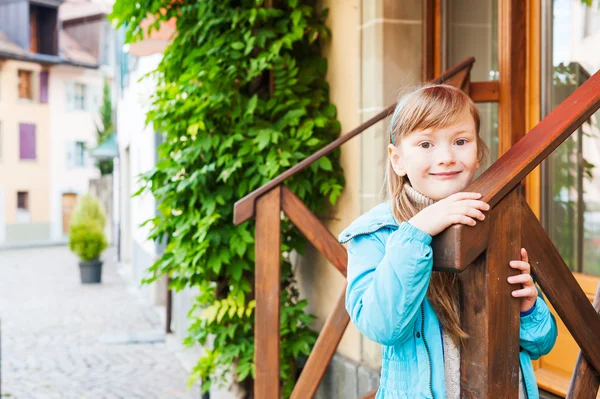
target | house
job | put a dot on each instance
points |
(51, 87)
(529, 57)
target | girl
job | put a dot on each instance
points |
(393, 297)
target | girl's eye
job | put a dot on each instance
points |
(425, 145)
(461, 142)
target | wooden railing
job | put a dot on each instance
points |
(489, 359)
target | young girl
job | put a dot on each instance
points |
(393, 297)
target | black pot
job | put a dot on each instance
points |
(91, 271)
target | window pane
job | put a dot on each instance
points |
(572, 183)
(25, 89)
(472, 30)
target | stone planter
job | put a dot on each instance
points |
(91, 271)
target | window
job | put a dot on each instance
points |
(79, 160)
(25, 88)
(27, 150)
(571, 194)
(23, 206)
(79, 91)
(43, 29)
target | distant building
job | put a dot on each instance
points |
(50, 93)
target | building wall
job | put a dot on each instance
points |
(68, 126)
(23, 175)
(374, 55)
(137, 148)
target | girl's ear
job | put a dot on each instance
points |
(396, 160)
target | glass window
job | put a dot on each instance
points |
(571, 189)
(25, 89)
(472, 30)
(79, 154)
(79, 95)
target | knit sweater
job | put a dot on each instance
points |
(451, 350)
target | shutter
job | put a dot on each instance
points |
(44, 87)
(27, 141)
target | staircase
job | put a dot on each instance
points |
(490, 357)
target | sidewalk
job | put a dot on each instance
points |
(62, 339)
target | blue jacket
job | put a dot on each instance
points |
(389, 268)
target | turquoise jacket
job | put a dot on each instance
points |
(389, 268)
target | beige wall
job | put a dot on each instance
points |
(17, 175)
(375, 52)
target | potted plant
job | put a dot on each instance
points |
(86, 238)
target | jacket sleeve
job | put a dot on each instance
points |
(538, 330)
(387, 282)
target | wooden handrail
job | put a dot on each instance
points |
(244, 208)
(459, 245)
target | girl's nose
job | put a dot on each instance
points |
(445, 155)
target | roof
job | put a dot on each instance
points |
(70, 50)
(71, 53)
(76, 9)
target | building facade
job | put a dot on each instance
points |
(51, 87)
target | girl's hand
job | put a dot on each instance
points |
(528, 293)
(459, 208)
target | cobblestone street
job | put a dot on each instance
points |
(62, 339)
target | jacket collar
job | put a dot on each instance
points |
(376, 219)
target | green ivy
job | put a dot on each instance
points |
(241, 97)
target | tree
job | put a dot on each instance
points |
(106, 130)
(241, 96)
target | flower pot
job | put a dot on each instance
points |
(90, 271)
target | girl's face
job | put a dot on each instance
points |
(438, 162)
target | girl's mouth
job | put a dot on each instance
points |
(445, 175)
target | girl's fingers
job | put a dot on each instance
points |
(524, 279)
(464, 196)
(462, 219)
(530, 292)
(471, 212)
(524, 267)
(484, 206)
(524, 255)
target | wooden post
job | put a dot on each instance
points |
(489, 314)
(267, 290)
(512, 58)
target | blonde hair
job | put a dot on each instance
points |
(437, 107)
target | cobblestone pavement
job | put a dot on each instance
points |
(60, 339)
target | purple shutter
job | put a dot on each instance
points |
(27, 141)
(44, 87)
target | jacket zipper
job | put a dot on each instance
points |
(427, 349)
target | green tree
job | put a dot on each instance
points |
(241, 96)
(106, 129)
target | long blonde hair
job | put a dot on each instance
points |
(437, 107)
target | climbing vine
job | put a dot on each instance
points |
(241, 96)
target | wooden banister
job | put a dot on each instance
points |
(459, 245)
(314, 230)
(323, 351)
(244, 208)
(562, 290)
(586, 381)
